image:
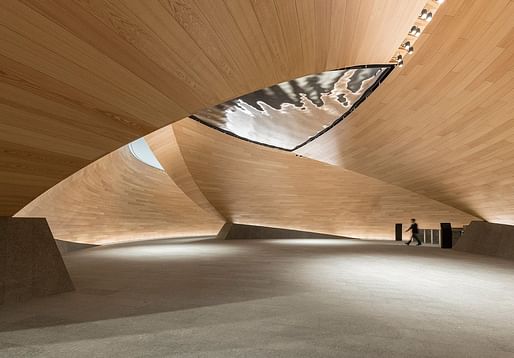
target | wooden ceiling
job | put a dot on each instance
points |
(443, 125)
(119, 199)
(252, 184)
(79, 79)
(166, 149)
(218, 178)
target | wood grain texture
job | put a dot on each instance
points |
(118, 198)
(443, 126)
(167, 151)
(255, 185)
(79, 79)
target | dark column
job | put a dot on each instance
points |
(398, 232)
(446, 236)
(30, 263)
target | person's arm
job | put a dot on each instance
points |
(409, 229)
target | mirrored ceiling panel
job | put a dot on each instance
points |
(292, 113)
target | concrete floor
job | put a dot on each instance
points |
(275, 298)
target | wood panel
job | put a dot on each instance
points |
(255, 185)
(79, 79)
(118, 198)
(167, 151)
(443, 126)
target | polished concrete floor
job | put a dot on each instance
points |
(270, 298)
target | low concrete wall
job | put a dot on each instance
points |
(231, 231)
(488, 239)
(30, 263)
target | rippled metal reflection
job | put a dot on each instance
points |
(289, 114)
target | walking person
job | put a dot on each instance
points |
(414, 231)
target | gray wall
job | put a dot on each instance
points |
(488, 239)
(30, 263)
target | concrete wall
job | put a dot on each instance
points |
(231, 231)
(488, 239)
(30, 263)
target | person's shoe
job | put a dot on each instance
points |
(407, 243)
(418, 244)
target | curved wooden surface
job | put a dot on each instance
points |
(118, 198)
(79, 79)
(443, 126)
(167, 151)
(251, 184)
(434, 141)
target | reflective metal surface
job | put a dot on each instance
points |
(289, 114)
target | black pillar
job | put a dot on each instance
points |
(446, 236)
(399, 232)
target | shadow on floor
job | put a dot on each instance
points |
(169, 275)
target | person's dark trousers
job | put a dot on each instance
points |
(414, 236)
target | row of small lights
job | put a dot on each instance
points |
(415, 31)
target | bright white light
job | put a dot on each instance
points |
(439, 1)
(312, 242)
(140, 149)
(429, 17)
(166, 249)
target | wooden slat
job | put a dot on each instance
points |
(443, 125)
(167, 151)
(117, 199)
(256, 185)
(82, 78)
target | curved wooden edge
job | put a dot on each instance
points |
(81, 79)
(255, 185)
(118, 199)
(166, 149)
(442, 125)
